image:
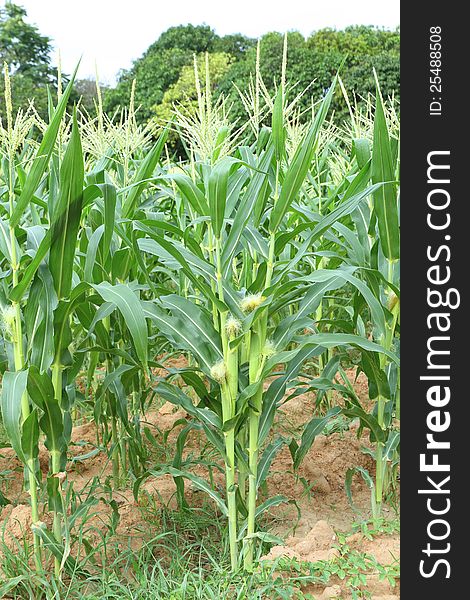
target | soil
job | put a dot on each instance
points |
(318, 490)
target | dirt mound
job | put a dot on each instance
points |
(16, 521)
(316, 491)
(320, 543)
(316, 545)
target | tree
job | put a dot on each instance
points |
(161, 65)
(27, 53)
(313, 62)
(183, 93)
(22, 47)
(159, 68)
(87, 94)
(235, 44)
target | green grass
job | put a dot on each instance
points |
(191, 561)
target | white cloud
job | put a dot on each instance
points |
(115, 32)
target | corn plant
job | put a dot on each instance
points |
(52, 308)
(367, 247)
(29, 328)
(247, 305)
(264, 250)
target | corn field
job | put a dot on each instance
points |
(267, 261)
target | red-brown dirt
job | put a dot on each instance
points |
(318, 489)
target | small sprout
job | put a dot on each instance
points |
(219, 371)
(250, 302)
(269, 349)
(233, 327)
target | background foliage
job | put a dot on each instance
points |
(164, 73)
(27, 54)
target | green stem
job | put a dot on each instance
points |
(255, 366)
(114, 426)
(253, 424)
(56, 371)
(242, 472)
(230, 477)
(229, 390)
(231, 499)
(397, 401)
(380, 465)
(19, 365)
(257, 343)
(122, 449)
(115, 451)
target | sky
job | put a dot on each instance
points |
(113, 33)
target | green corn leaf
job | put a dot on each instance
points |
(66, 215)
(13, 388)
(349, 479)
(43, 155)
(202, 485)
(177, 464)
(187, 261)
(300, 164)
(253, 195)
(362, 150)
(41, 392)
(385, 198)
(5, 240)
(391, 445)
(108, 193)
(144, 172)
(275, 393)
(191, 193)
(367, 420)
(196, 321)
(42, 347)
(287, 328)
(17, 292)
(30, 436)
(131, 309)
(181, 336)
(92, 249)
(312, 429)
(376, 308)
(270, 503)
(269, 454)
(114, 376)
(173, 394)
(57, 549)
(330, 340)
(377, 378)
(222, 135)
(217, 192)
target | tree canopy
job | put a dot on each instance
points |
(161, 65)
(164, 73)
(312, 62)
(26, 52)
